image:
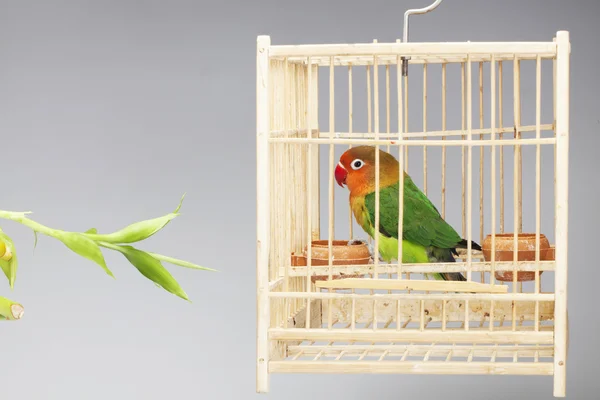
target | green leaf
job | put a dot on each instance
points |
(152, 269)
(179, 206)
(35, 239)
(137, 231)
(83, 246)
(181, 263)
(92, 231)
(9, 267)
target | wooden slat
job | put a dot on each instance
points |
(413, 336)
(412, 284)
(420, 268)
(411, 367)
(454, 309)
(416, 142)
(416, 296)
(415, 49)
(324, 61)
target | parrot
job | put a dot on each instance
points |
(426, 237)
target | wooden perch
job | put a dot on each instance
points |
(412, 284)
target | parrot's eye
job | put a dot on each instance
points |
(357, 164)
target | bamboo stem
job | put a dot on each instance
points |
(10, 310)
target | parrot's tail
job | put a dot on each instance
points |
(445, 256)
(454, 276)
(457, 276)
(463, 245)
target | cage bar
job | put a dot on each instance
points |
(443, 183)
(310, 205)
(500, 125)
(562, 202)
(493, 180)
(331, 170)
(388, 126)
(481, 158)
(262, 212)
(425, 127)
(538, 183)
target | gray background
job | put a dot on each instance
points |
(110, 110)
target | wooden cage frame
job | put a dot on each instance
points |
(288, 218)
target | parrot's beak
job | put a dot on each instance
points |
(340, 175)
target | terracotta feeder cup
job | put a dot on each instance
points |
(525, 252)
(343, 254)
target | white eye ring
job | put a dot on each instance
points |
(357, 164)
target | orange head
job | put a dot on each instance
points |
(356, 170)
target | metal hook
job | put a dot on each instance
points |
(423, 10)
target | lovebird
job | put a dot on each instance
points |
(426, 237)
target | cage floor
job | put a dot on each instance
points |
(415, 357)
(412, 358)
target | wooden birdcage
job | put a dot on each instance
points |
(312, 318)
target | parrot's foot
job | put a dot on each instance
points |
(357, 241)
(369, 246)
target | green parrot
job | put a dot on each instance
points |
(426, 237)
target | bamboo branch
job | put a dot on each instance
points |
(87, 244)
(10, 310)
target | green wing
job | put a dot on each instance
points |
(421, 223)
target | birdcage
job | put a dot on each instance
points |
(327, 306)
